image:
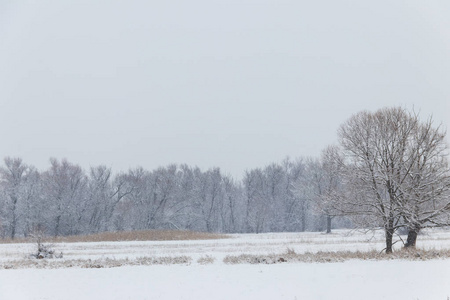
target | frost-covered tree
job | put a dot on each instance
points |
(33, 213)
(424, 190)
(233, 206)
(295, 207)
(17, 181)
(276, 198)
(65, 190)
(395, 171)
(164, 185)
(322, 184)
(99, 198)
(210, 198)
(257, 206)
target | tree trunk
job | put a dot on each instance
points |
(389, 232)
(303, 222)
(389, 235)
(13, 224)
(328, 224)
(412, 237)
(58, 220)
(14, 217)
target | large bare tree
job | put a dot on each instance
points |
(396, 172)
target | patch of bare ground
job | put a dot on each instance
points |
(95, 264)
(142, 235)
(339, 256)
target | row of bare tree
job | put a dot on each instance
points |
(66, 200)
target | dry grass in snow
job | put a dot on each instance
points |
(291, 256)
(123, 236)
(95, 264)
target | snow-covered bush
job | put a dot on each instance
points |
(206, 260)
(43, 250)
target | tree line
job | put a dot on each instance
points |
(389, 170)
(67, 200)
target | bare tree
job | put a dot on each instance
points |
(231, 215)
(294, 203)
(164, 183)
(424, 196)
(257, 207)
(210, 196)
(395, 171)
(65, 189)
(322, 184)
(33, 213)
(13, 179)
(99, 198)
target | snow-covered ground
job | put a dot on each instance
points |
(354, 279)
(268, 243)
(358, 280)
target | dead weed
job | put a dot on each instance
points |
(339, 256)
(96, 264)
(142, 235)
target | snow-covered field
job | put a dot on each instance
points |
(354, 279)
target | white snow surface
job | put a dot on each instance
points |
(354, 279)
(358, 280)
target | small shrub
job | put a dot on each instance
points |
(43, 250)
(290, 251)
(206, 260)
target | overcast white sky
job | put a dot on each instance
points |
(233, 84)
